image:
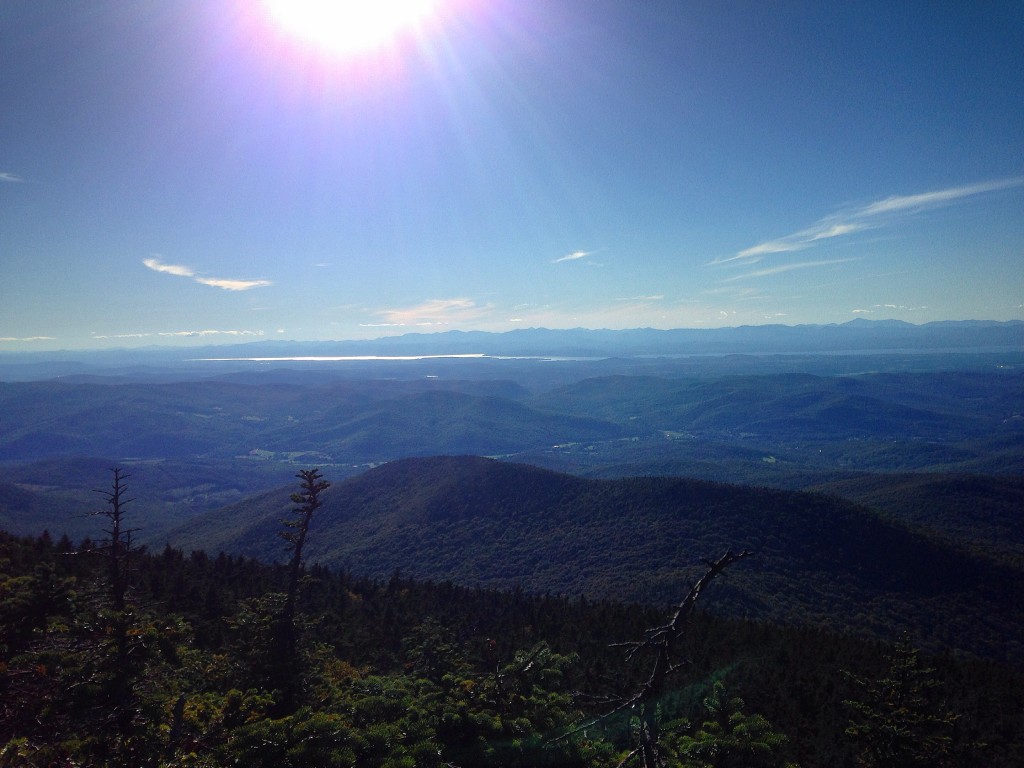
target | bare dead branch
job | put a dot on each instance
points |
(662, 641)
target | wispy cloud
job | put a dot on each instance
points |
(432, 313)
(179, 334)
(574, 256)
(10, 177)
(888, 307)
(734, 292)
(870, 216)
(170, 269)
(785, 268)
(900, 203)
(9, 339)
(798, 241)
(227, 284)
(232, 285)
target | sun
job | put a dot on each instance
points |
(348, 27)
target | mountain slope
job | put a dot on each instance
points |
(979, 511)
(430, 423)
(368, 421)
(946, 405)
(819, 560)
(25, 510)
(58, 494)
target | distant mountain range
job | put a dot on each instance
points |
(856, 336)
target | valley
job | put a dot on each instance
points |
(933, 454)
(880, 494)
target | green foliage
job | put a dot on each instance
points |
(509, 715)
(730, 738)
(898, 720)
(403, 672)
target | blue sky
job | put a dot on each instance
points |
(196, 172)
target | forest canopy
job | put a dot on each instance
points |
(185, 666)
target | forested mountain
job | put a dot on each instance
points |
(368, 421)
(779, 429)
(982, 512)
(58, 494)
(784, 405)
(23, 510)
(821, 560)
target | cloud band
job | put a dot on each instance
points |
(227, 284)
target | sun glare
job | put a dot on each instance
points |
(348, 26)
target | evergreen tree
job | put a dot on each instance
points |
(898, 721)
(308, 501)
(117, 552)
(288, 667)
(729, 738)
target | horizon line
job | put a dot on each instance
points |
(388, 339)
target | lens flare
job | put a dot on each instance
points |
(347, 27)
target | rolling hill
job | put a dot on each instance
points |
(939, 421)
(820, 560)
(58, 494)
(978, 511)
(355, 422)
(939, 406)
